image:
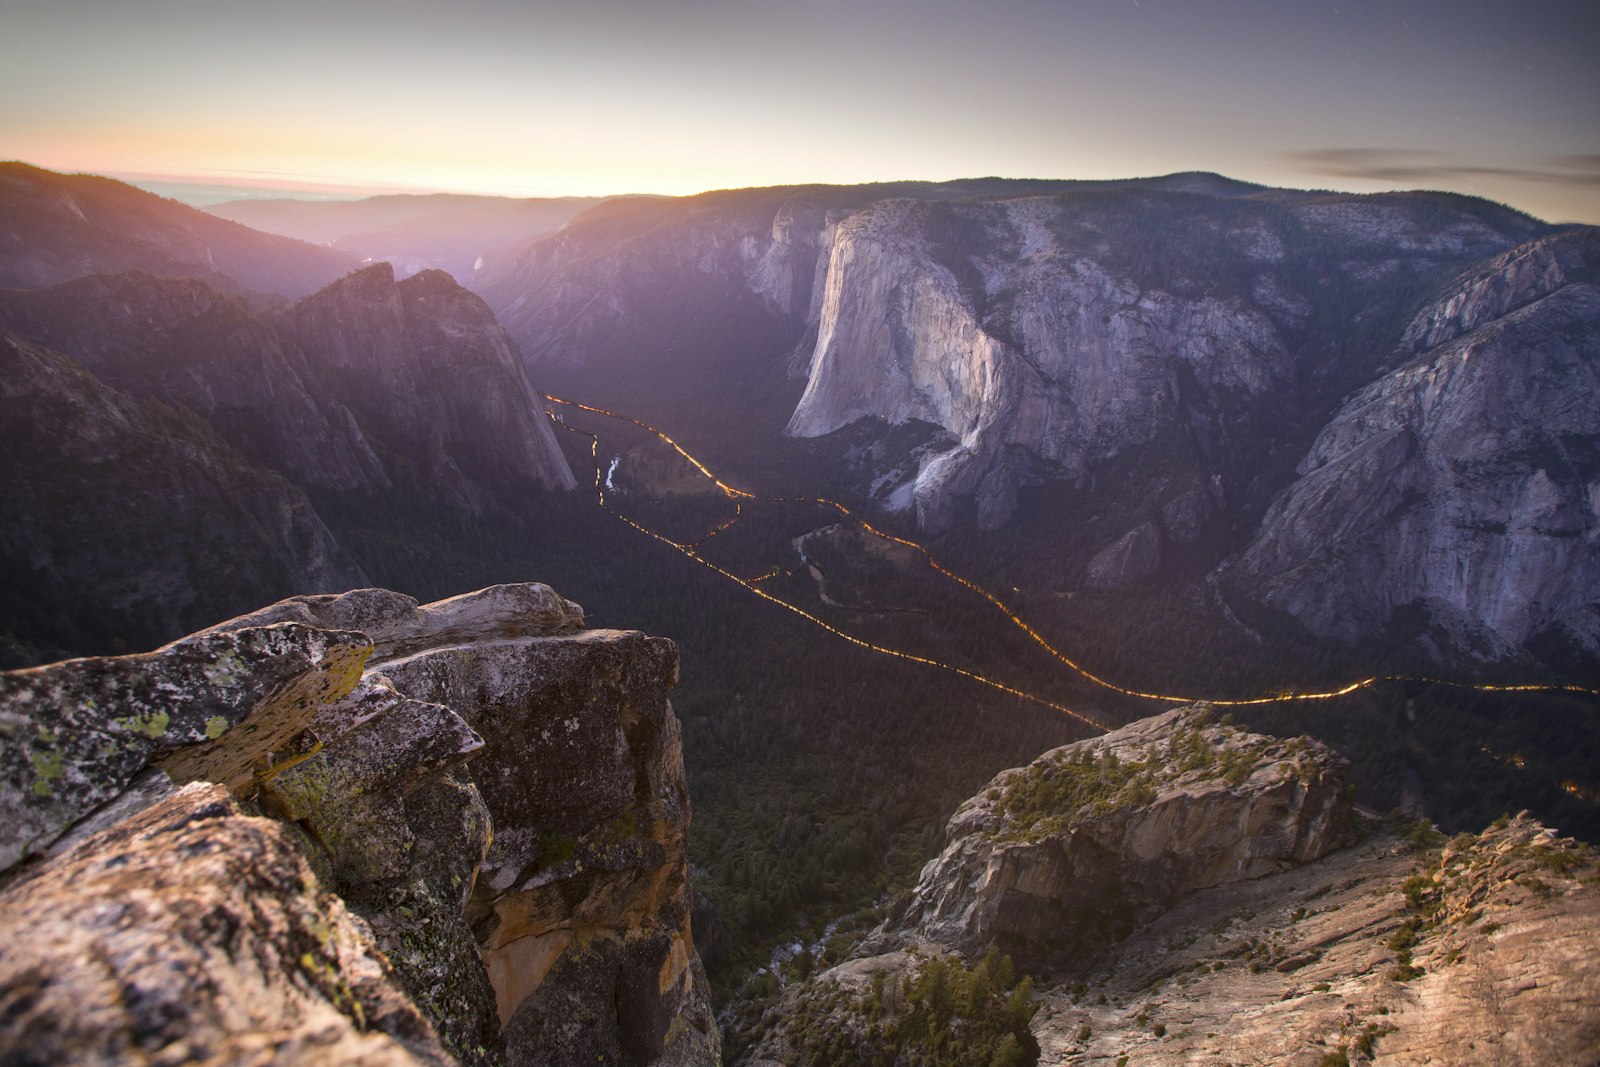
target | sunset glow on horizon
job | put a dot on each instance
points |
(496, 97)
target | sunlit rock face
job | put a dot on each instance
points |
(1465, 482)
(1050, 334)
(703, 305)
(1047, 328)
(991, 321)
(497, 794)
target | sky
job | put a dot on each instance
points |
(533, 98)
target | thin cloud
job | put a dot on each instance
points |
(1413, 166)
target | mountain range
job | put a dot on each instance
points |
(1332, 459)
(60, 226)
(459, 234)
(191, 395)
(1318, 402)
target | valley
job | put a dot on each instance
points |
(921, 479)
(654, 489)
(880, 589)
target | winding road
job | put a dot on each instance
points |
(689, 549)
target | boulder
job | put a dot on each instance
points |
(1095, 837)
(192, 933)
(483, 718)
(215, 706)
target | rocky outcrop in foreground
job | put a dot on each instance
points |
(193, 933)
(414, 834)
(1097, 836)
(1194, 900)
(1403, 950)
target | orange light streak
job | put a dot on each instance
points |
(688, 551)
(773, 573)
(996, 602)
(701, 467)
(1581, 792)
(738, 513)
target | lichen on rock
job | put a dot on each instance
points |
(482, 718)
(193, 933)
(209, 707)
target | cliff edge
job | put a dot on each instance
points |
(353, 828)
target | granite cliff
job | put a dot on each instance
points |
(130, 519)
(1191, 379)
(1044, 327)
(701, 298)
(433, 380)
(236, 425)
(358, 829)
(1048, 334)
(367, 383)
(1183, 890)
(1466, 480)
(1091, 839)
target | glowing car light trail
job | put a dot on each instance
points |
(737, 495)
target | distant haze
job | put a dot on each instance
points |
(1497, 99)
(206, 194)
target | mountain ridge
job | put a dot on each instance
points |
(286, 429)
(449, 231)
(1186, 335)
(59, 227)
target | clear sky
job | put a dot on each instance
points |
(530, 97)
